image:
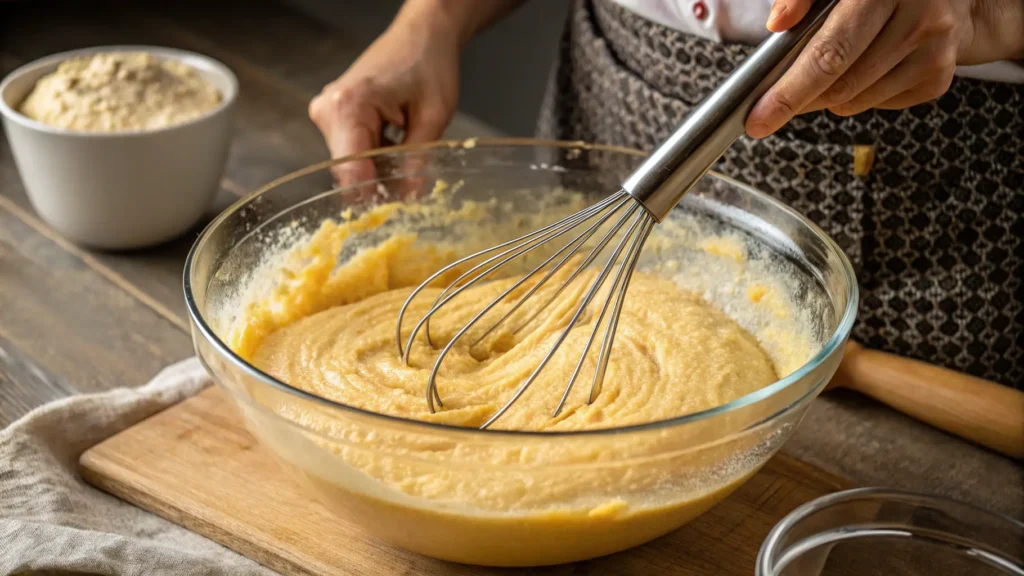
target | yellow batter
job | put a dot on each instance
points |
(332, 333)
(673, 354)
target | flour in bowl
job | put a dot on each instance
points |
(120, 91)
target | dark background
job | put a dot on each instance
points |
(504, 70)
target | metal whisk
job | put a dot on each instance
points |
(646, 198)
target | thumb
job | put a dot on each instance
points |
(786, 13)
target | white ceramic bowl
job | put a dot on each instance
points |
(119, 190)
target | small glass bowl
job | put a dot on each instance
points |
(871, 531)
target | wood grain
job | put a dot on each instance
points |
(24, 384)
(196, 465)
(66, 328)
(972, 408)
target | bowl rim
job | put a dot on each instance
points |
(206, 64)
(770, 546)
(834, 342)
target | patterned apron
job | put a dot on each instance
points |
(933, 227)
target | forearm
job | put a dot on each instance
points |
(461, 18)
(998, 31)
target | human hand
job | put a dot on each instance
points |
(408, 78)
(887, 54)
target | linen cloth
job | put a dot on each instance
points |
(52, 522)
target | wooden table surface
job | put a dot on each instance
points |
(74, 321)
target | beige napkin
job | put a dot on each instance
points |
(51, 521)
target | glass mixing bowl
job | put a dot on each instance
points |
(505, 498)
(878, 531)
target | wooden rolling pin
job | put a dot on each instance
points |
(972, 408)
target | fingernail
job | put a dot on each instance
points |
(778, 9)
(758, 130)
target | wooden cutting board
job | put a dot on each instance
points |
(196, 465)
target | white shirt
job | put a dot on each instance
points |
(744, 21)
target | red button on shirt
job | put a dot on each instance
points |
(700, 10)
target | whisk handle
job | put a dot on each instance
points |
(708, 131)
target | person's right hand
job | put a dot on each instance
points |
(409, 77)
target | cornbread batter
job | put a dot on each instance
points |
(525, 500)
(673, 355)
(119, 91)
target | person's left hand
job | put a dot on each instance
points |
(886, 54)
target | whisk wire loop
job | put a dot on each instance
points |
(569, 225)
(620, 298)
(588, 212)
(618, 288)
(575, 244)
(624, 208)
(641, 217)
(506, 257)
(586, 235)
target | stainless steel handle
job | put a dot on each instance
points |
(708, 131)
